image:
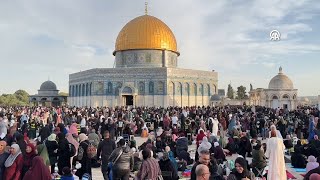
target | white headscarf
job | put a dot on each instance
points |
(273, 127)
(12, 157)
(205, 145)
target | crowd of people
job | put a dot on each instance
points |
(67, 142)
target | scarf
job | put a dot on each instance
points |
(52, 137)
(29, 156)
(12, 157)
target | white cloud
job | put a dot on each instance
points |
(221, 35)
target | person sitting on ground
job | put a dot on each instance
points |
(241, 171)
(166, 165)
(312, 163)
(202, 172)
(297, 159)
(258, 158)
(218, 153)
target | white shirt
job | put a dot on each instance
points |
(174, 120)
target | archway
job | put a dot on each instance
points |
(275, 102)
(127, 96)
(286, 102)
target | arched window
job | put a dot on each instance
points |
(160, 88)
(171, 88)
(275, 97)
(73, 93)
(141, 88)
(209, 90)
(285, 96)
(151, 87)
(195, 89)
(90, 89)
(109, 90)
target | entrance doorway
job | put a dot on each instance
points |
(128, 100)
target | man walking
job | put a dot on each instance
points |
(105, 148)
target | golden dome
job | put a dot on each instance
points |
(146, 32)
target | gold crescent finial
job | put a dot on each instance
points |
(146, 8)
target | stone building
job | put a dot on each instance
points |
(280, 93)
(146, 72)
(48, 95)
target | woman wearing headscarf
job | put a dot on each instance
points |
(85, 161)
(3, 157)
(72, 140)
(13, 164)
(166, 165)
(275, 154)
(27, 158)
(43, 153)
(38, 170)
(312, 163)
(241, 171)
(52, 147)
(73, 129)
(205, 145)
(171, 157)
(63, 153)
(218, 153)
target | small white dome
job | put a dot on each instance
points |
(280, 81)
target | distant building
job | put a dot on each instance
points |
(48, 95)
(280, 93)
(221, 92)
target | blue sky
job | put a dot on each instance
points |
(41, 39)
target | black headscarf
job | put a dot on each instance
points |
(245, 173)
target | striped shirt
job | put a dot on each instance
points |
(149, 170)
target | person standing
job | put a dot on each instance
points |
(85, 161)
(275, 149)
(105, 148)
(122, 159)
(13, 164)
(3, 157)
(215, 126)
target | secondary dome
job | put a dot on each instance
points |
(146, 32)
(280, 81)
(48, 86)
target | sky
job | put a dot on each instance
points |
(41, 40)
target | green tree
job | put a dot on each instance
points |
(230, 92)
(19, 98)
(22, 95)
(241, 92)
(63, 94)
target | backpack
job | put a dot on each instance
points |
(80, 153)
(91, 151)
(72, 150)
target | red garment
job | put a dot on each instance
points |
(38, 170)
(200, 137)
(25, 138)
(14, 171)
(29, 156)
